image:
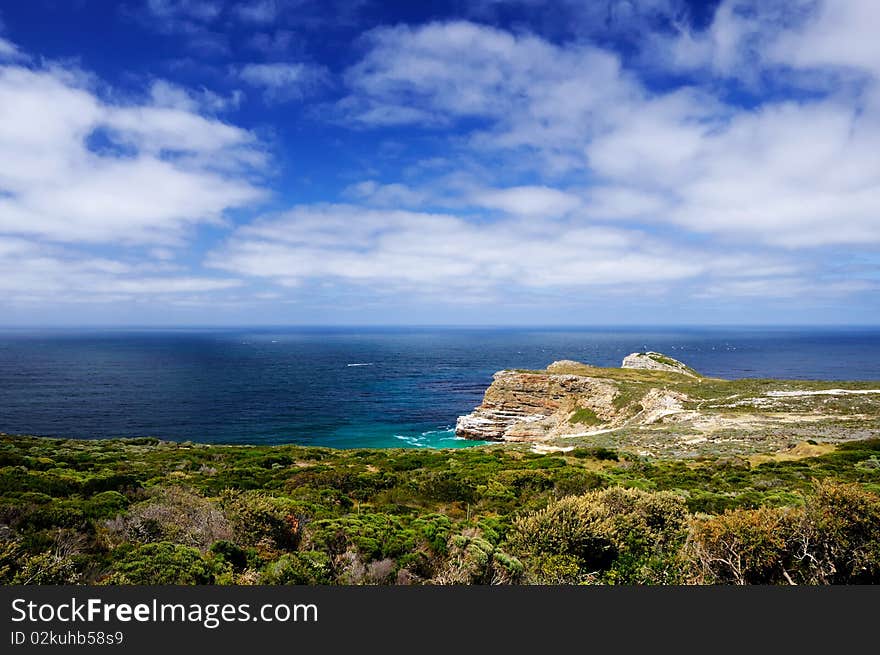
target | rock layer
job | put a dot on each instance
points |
(538, 405)
(527, 406)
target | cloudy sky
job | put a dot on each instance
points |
(181, 162)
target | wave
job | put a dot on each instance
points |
(361, 364)
(430, 438)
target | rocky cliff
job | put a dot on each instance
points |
(652, 361)
(657, 404)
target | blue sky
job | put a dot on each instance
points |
(181, 162)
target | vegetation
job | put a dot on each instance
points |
(674, 363)
(142, 511)
(585, 416)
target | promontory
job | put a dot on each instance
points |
(657, 405)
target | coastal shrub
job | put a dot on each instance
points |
(265, 521)
(446, 486)
(743, 547)
(617, 528)
(597, 452)
(173, 514)
(47, 568)
(164, 563)
(358, 486)
(553, 569)
(106, 504)
(376, 536)
(381, 572)
(230, 552)
(47, 558)
(526, 484)
(838, 538)
(834, 538)
(11, 552)
(370, 517)
(434, 530)
(474, 560)
(495, 492)
(574, 482)
(302, 568)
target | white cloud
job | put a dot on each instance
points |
(748, 37)
(35, 272)
(786, 287)
(784, 173)
(88, 170)
(527, 93)
(282, 81)
(423, 253)
(173, 96)
(203, 10)
(197, 21)
(385, 195)
(8, 50)
(838, 33)
(257, 11)
(538, 201)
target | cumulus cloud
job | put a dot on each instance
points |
(90, 170)
(746, 168)
(840, 34)
(790, 173)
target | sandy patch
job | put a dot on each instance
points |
(542, 449)
(821, 392)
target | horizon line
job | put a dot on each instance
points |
(252, 326)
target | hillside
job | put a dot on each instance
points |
(143, 511)
(657, 406)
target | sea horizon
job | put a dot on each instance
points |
(352, 386)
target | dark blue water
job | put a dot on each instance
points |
(348, 387)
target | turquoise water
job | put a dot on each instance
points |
(349, 388)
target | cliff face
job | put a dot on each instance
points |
(655, 404)
(528, 406)
(568, 398)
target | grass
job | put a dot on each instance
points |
(584, 416)
(668, 361)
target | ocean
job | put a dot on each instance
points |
(349, 387)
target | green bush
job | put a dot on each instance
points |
(553, 569)
(474, 560)
(259, 519)
(164, 563)
(232, 553)
(305, 568)
(618, 534)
